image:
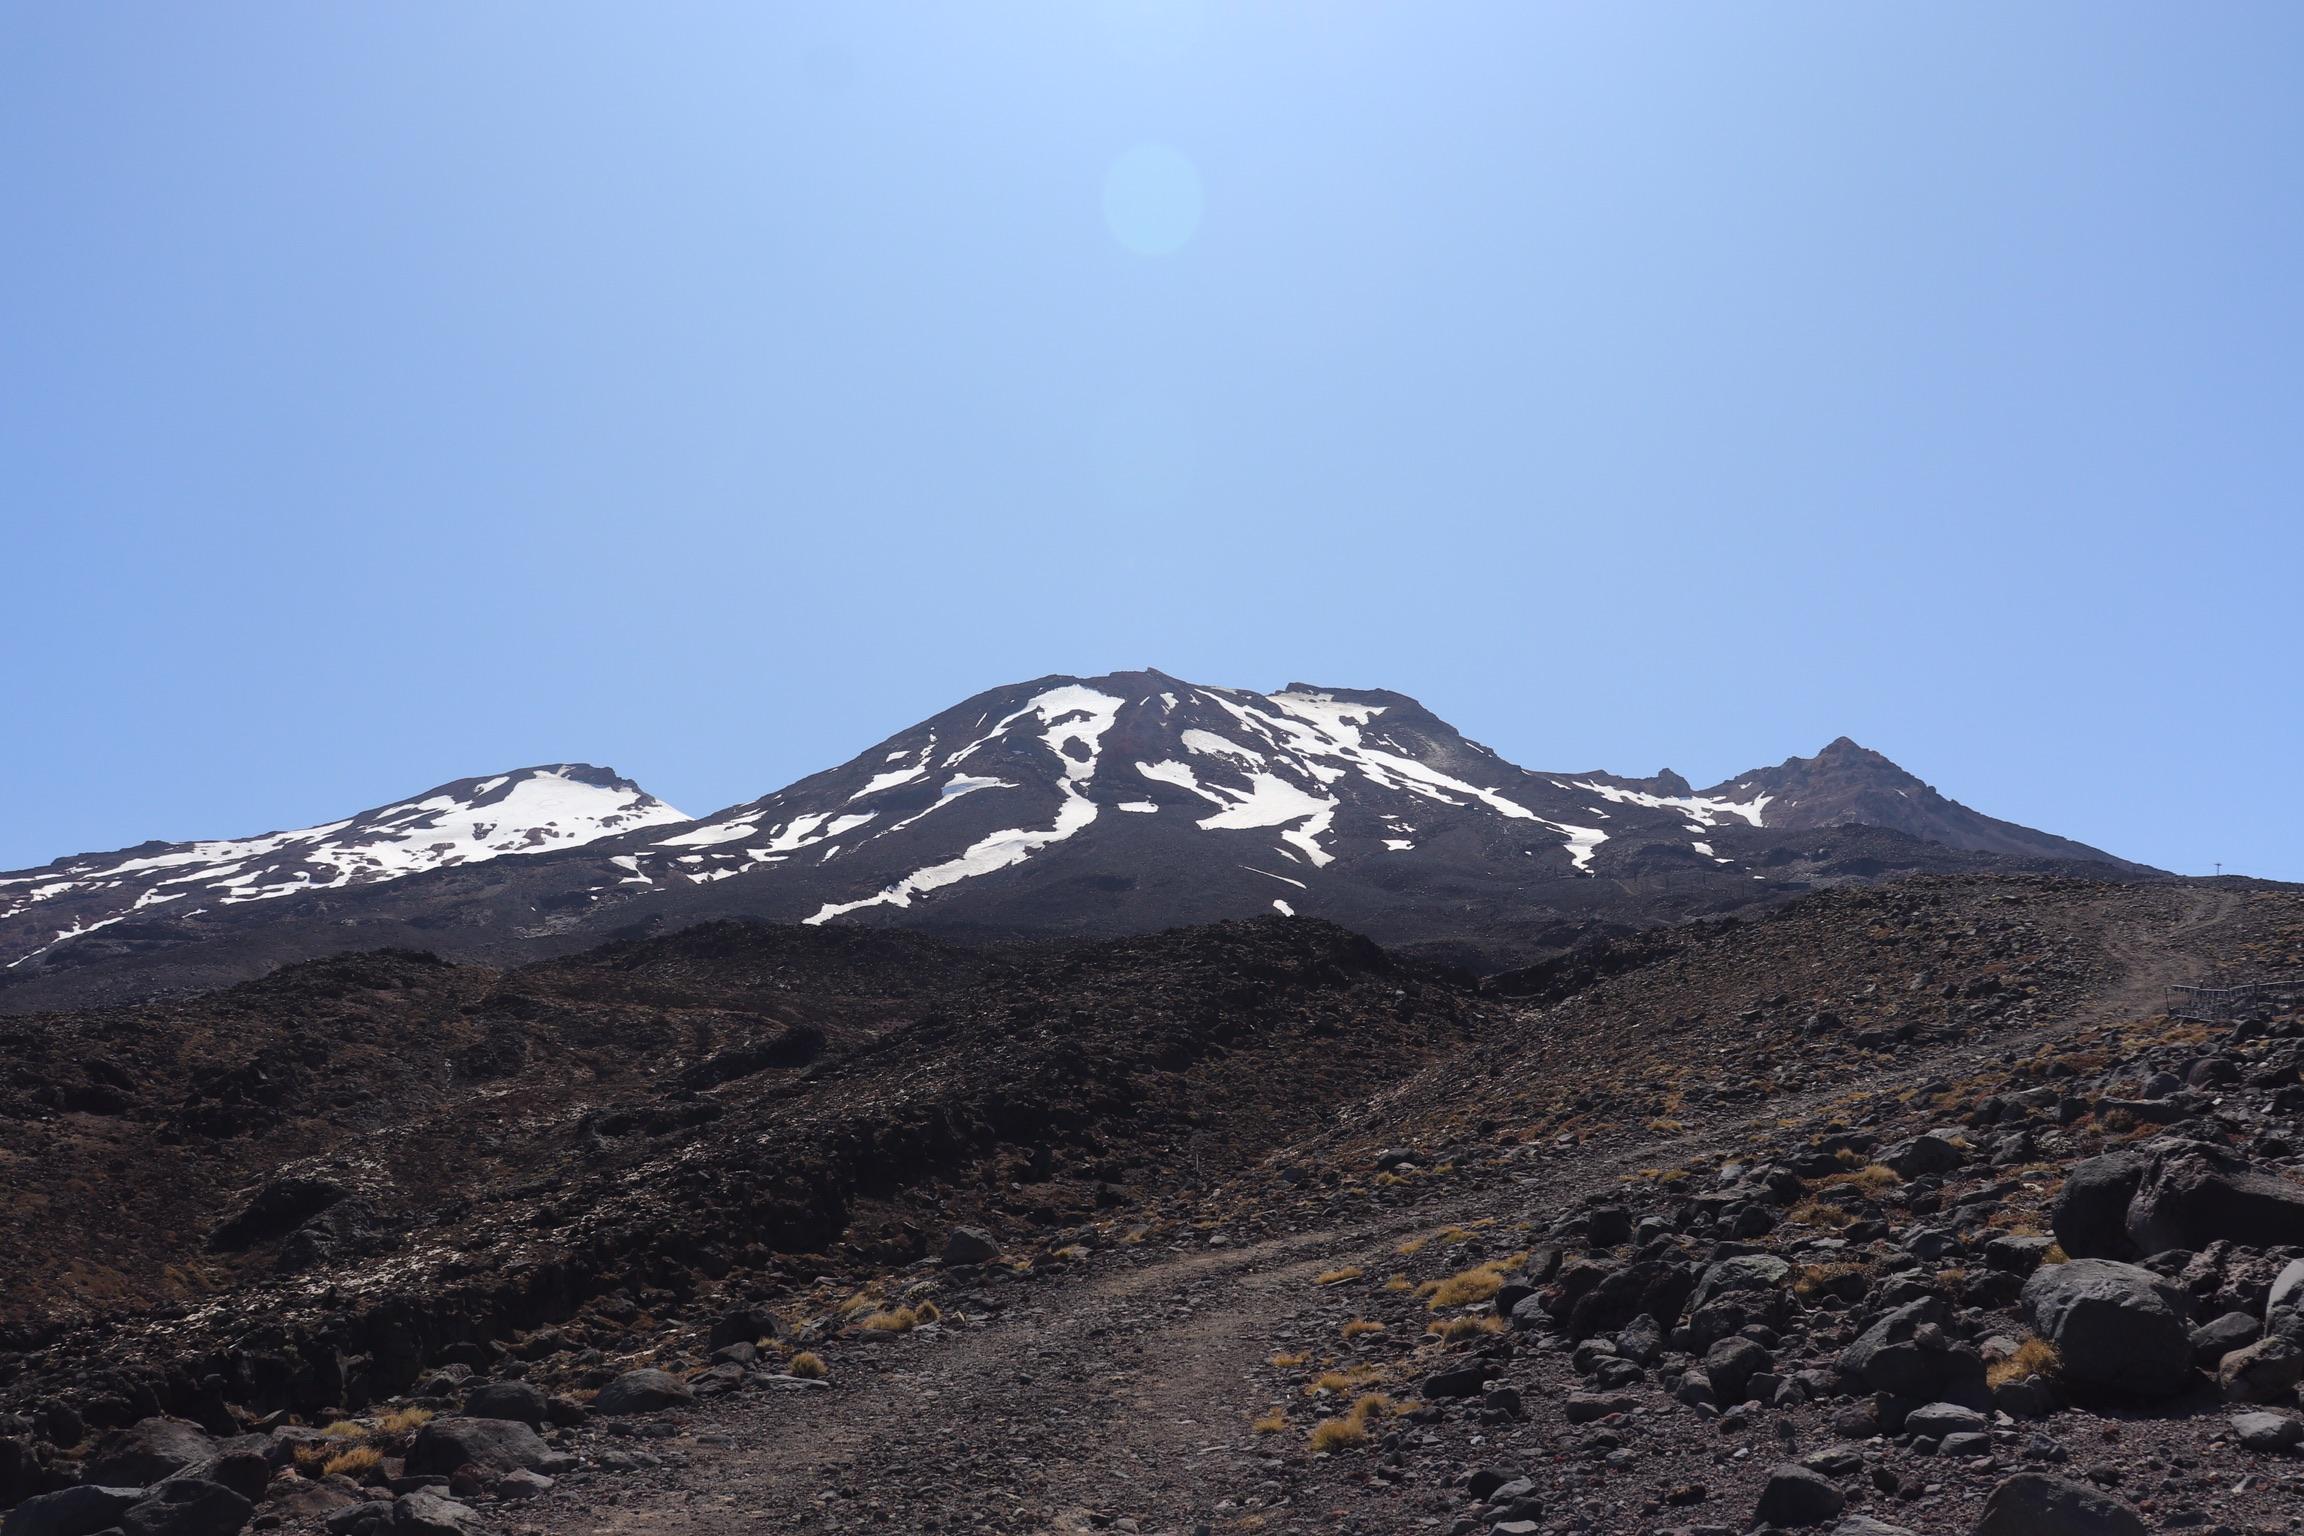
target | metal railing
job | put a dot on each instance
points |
(2221, 1002)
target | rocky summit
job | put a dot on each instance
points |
(1119, 1105)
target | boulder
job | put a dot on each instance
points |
(2268, 1431)
(1906, 1353)
(1936, 1152)
(2263, 1372)
(970, 1245)
(2213, 1340)
(1608, 1226)
(2035, 1504)
(643, 1391)
(2091, 1214)
(148, 1451)
(492, 1445)
(1744, 1272)
(744, 1325)
(1730, 1365)
(1795, 1496)
(71, 1511)
(2284, 1305)
(426, 1513)
(2115, 1326)
(2192, 1194)
(518, 1400)
(1937, 1420)
(186, 1506)
(1649, 1287)
(1463, 1381)
(2017, 1254)
(23, 1469)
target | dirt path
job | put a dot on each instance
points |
(1117, 1397)
(1125, 1397)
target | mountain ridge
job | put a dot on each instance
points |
(1121, 802)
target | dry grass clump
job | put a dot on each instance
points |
(1273, 1423)
(1821, 1213)
(1465, 1327)
(1351, 1428)
(2055, 1255)
(346, 1429)
(1479, 1283)
(401, 1422)
(1817, 1279)
(1339, 1276)
(355, 1463)
(1398, 1283)
(902, 1319)
(1413, 1246)
(2034, 1357)
(1871, 1176)
(1349, 1379)
(1361, 1327)
(1286, 1361)
(807, 1364)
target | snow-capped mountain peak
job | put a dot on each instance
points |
(469, 821)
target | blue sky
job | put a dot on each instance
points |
(390, 393)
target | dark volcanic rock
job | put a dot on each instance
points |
(2091, 1214)
(970, 1245)
(2192, 1194)
(147, 1451)
(2116, 1326)
(77, 1511)
(643, 1391)
(1907, 1354)
(1796, 1496)
(184, 1506)
(2035, 1504)
(493, 1445)
(518, 1400)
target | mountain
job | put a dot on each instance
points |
(1848, 785)
(1129, 802)
(469, 821)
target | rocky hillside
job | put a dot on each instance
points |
(1900, 1204)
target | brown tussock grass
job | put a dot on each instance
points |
(807, 1364)
(2034, 1357)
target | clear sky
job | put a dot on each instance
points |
(395, 392)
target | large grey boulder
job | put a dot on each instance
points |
(187, 1506)
(518, 1400)
(644, 1391)
(1796, 1496)
(148, 1451)
(2035, 1504)
(2091, 1213)
(970, 1245)
(425, 1513)
(2271, 1432)
(2192, 1194)
(492, 1445)
(2116, 1327)
(1744, 1272)
(1907, 1353)
(77, 1511)
(1935, 1152)
(2263, 1372)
